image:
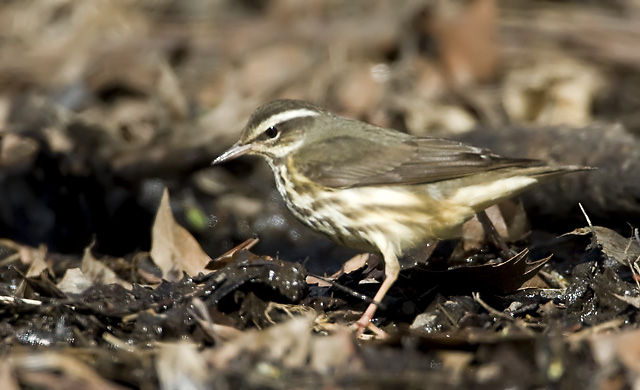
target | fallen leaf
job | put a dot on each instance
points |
(16, 152)
(180, 366)
(36, 258)
(625, 251)
(355, 263)
(293, 344)
(8, 380)
(74, 282)
(504, 277)
(552, 91)
(466, 36)
(633, 301)
(230, 256)
(173, 248)
(98, 272)
(623, 347)
(28, 365)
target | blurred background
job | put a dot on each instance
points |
(104, 103)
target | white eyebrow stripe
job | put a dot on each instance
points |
(285, 116)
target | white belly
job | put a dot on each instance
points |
(394, 217)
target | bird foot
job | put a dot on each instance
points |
(375, 332)
(364, 323)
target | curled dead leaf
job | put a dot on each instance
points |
(173, 248)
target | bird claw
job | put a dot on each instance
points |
(376, 332)
(364, 323)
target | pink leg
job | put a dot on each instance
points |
(391, 270)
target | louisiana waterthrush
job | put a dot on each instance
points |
(376, 189)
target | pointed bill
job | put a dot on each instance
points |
(236, 150)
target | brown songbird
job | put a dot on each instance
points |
(376, 189)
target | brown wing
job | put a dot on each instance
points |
(346, 161)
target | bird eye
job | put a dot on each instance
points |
(271, 132)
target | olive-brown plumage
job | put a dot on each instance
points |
(377, 189)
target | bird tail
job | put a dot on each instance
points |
(546, 172)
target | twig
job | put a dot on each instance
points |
(12, 300)
(586, 216)
(491, 310)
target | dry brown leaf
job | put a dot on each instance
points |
(353, 264)
(473, 234)
(148, 277)
(170, 92)
(625, 251)
(467, 40)
(535, 283)
(310, 279)
(633, 301)
(36, 258)
(7, 377)
(293, 344)
(98, 272)
(69, 38)
(272, 66)
(360, 89)
(333, 351)
(28, 365)
(217, 332)
(173, 248)
(423, 117)
(509, 219)
(288, 342)
(456, 362)
(515, 216)
(17, 152)
(552, 91)
(505, 277)
(225, 119)
(622, 347)
(74, 282)
(230, 256)
(5, 108)
(180, 366)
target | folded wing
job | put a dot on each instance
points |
(346, 161)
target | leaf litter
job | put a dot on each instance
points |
(105, 283)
